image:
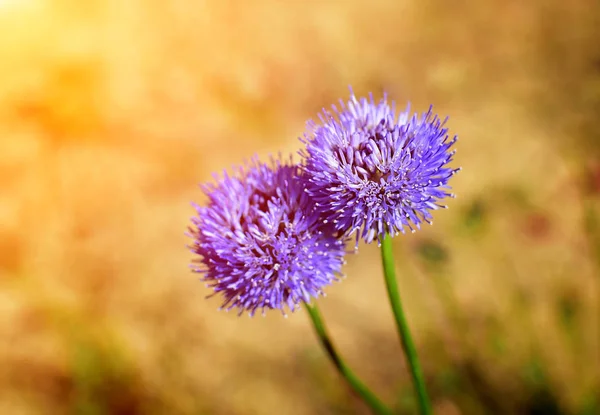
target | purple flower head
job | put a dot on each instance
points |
(373, 172)
(260, 242)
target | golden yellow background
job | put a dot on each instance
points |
(111, 113)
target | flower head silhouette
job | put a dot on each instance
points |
(260, 243)
(373, 172)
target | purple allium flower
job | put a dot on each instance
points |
(261, 243)
(373, 172)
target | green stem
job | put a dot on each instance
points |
(408, 345)
(365, 393)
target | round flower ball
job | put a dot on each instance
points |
(373, 172)
(259, 241)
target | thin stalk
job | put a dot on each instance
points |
(408, 345)
(378, 407)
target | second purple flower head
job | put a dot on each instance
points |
(371, 171)
(259, 241)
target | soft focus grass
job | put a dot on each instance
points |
(111, 113)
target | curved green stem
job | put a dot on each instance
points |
(408, 345)
(365, 393)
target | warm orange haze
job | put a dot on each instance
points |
(112, 112)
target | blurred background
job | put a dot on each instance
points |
(111, 113)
